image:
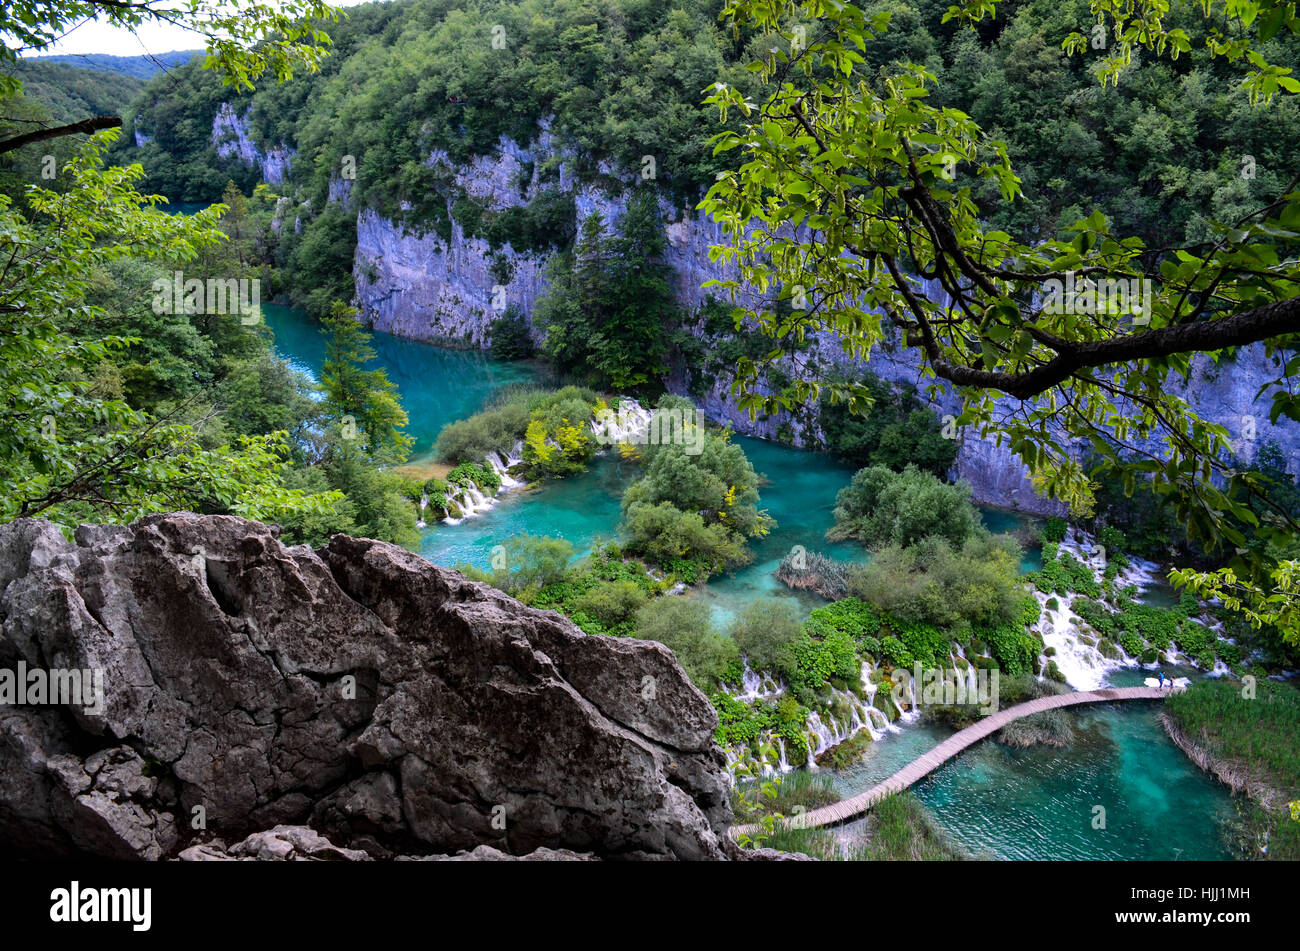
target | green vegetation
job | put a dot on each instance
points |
(1247, 739)
(764, 629)
(693, 512)
(511, 335)
(553, 425)
(685, 626)
(608, 305)
(601, 593)
(956, 588)
(558, 439)
(882, 507)
(71, 92)
(895, 431)
(855, 140)
(899, 829)
(88, 440)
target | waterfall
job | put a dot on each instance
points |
(471, 499)
(756, 686)
(629, 423)
(1084, 667)
(424, 503)
(501, 466)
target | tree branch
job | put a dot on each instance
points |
(86, 126)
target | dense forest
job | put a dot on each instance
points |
(1161, 155)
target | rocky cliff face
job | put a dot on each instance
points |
(231, 137)
(385, 703)
(419, 286)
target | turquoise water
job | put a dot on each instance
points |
(438, 386)
(994, 801)
(1041, 803)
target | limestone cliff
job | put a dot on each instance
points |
(418, 285)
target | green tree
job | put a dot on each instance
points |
(685, 626)
(68, 451)
(608, 308)
(881, 507)
(368, 397)
(885, 184)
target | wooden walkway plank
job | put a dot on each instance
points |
(924, 765)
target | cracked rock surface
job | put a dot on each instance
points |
(389, 706)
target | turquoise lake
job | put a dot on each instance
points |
(994, 801)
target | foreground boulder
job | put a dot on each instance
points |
(387, 705)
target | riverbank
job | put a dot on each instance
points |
(1244, 735)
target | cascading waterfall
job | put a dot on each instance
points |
(630, 423)
(1084, 667)
(502, 466)
(424, 504)
(756, 686)
(472, 501)
(848, 715)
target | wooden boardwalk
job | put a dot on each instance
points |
(856, 805)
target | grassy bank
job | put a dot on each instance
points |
(1248, 741)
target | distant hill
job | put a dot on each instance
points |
(70, 93)
(137, 67)
(74, 86)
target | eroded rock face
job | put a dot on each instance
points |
(391, 705)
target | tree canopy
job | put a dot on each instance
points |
(856, 197)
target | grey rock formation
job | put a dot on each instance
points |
(231, 137)
(391, 705)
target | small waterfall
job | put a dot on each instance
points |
(471, 499)
(424, 504)
(502, 466)
(756, 686)
(1084, 667)
(630, 423)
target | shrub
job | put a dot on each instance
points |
(685, 626)
(882, 507)
(530, 563)
(1054, 530)
(1113, 540)
(472, 473)
(612, 602)
(1132, 643)
(1227, 651)
(681, 540)
(811, 662)
(977, 585)
(1193, 637)
(764, 631)
(493, 430)
(1015, 648)
(893, 650)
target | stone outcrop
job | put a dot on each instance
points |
(391, 707)
(231, 138)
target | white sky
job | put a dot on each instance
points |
(94, 36)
